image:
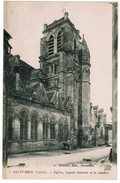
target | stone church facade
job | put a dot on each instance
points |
(45, 107)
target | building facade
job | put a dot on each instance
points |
(51, 105)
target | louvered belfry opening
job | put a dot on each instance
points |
(59, 41)
(51, 45)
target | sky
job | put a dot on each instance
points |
(24, 21)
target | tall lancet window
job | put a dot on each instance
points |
(59, 40)
(52, 128)
(10, 126)
(45, 127)
(60, 131)
(75, 52)
(34, 126)
(51, 45)
(66, 132)
(23, 125)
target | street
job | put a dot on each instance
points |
(87, 163)
(60, 157)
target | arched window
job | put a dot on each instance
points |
(10, 128)
(52, 128)
(75, 51)
(60, 131)
(34, 126)
(51, 45)
(45, 127)
(23, 125)
(56, 68)
(59, 40)
(51, 69)
(66, 133)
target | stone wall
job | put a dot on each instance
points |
(30, 146)
(17, 145)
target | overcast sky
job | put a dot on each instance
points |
(24, 21)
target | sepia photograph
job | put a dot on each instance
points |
(60, 90)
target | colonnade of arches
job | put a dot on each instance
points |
(32, 127)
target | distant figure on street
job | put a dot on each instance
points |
(68, 143)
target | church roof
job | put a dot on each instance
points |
(58, 100)
(55, 98)
(7, 35)
(50, 95)
(32, 84)
(37, 92)
(67, 102)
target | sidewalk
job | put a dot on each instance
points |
(54, 158)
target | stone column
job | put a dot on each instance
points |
(53, 69)
(55, 45)
(84, 100)
(48, 130)
(29, 128)
(56, 130)
(16, 128)
(62, 75)
(40, 130)
(70, 87)
(17, 81)
(70, 128)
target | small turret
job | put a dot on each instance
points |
(45, 26)
(85, 47)
(66, 15)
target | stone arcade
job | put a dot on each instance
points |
(48, 106)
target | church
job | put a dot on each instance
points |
(49, 106)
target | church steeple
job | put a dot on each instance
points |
(60, 60)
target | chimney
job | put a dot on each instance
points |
(66, 15)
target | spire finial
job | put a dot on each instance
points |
(63, 10)
(65, 13)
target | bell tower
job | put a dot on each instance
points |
(65, 63)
